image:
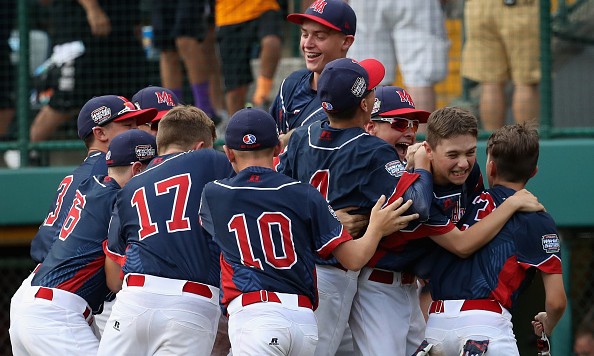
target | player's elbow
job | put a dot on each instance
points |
(557, 305)
(114, 286)
(353, 265)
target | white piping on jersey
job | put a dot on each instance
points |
(543, 262)
(331, 240)
(165, 160)
(282, 98)
(98, 182)
(311, 115)
(255, 188)
(332, 148)
(446, 196)
(113, 253)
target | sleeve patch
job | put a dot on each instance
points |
(395, 168)
(551, 243)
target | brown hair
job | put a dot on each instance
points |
(514, 149)
(184, 126)
(450, 122)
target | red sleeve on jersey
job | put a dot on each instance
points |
(551, 265)
(405, 181)
(119, 259)
(325, 251)
(396, 241)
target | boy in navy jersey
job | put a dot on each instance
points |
(99, 121)
(473, 296)
(69, 287)
(269, 228)
(171, 272)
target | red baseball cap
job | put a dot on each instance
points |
(335, 14)
(391, 101)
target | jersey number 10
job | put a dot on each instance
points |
(266, 221)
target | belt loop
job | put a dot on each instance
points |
(263, 295)
(439, 307)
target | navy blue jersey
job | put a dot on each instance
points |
(157, 230)
(502, 268)
(352, 168)
(48, 232)
(76, 262)
(296, 103)
(269, 228)
(448, 205)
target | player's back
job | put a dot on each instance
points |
(48, 232)
(269, 227)
(158, 211)
(348, 166)
(75, 263)
(502, 268)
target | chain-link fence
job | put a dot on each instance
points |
(12, 273)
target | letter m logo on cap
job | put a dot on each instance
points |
(164, 97)
(405, 97)
(318, 6)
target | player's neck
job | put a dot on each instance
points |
(358, 121)
(512, 185)
(265, 162)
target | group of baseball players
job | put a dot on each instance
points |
(317, 241)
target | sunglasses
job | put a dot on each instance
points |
(399, 123)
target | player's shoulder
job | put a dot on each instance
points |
(377, 148)
(94, 164)
(298, 76)
(99, 186)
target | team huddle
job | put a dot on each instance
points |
(320, 240)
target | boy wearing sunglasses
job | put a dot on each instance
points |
(394, 118)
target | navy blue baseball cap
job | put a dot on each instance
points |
(131, 146)
(344, 82)
(102, 110)
(251, 129)
(158, 98)
(391, 101)
(335, 14)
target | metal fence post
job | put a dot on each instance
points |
(546, 67)
(561, 343)
(23, 89)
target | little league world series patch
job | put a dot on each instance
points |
(395, 168)
(551, 243)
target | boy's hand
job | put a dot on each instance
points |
(390, 219)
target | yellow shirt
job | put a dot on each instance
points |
(231, 12)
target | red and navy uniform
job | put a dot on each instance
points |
(76, 262)
(352, 168)
(296, 103)
(157, 230)
(501, 269)
(269, 228)
(402, 250)
(49, 230)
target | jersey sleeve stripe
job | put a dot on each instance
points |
(117, 258)
(551, 265)
(327, 249)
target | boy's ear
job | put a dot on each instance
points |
(535, 171)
